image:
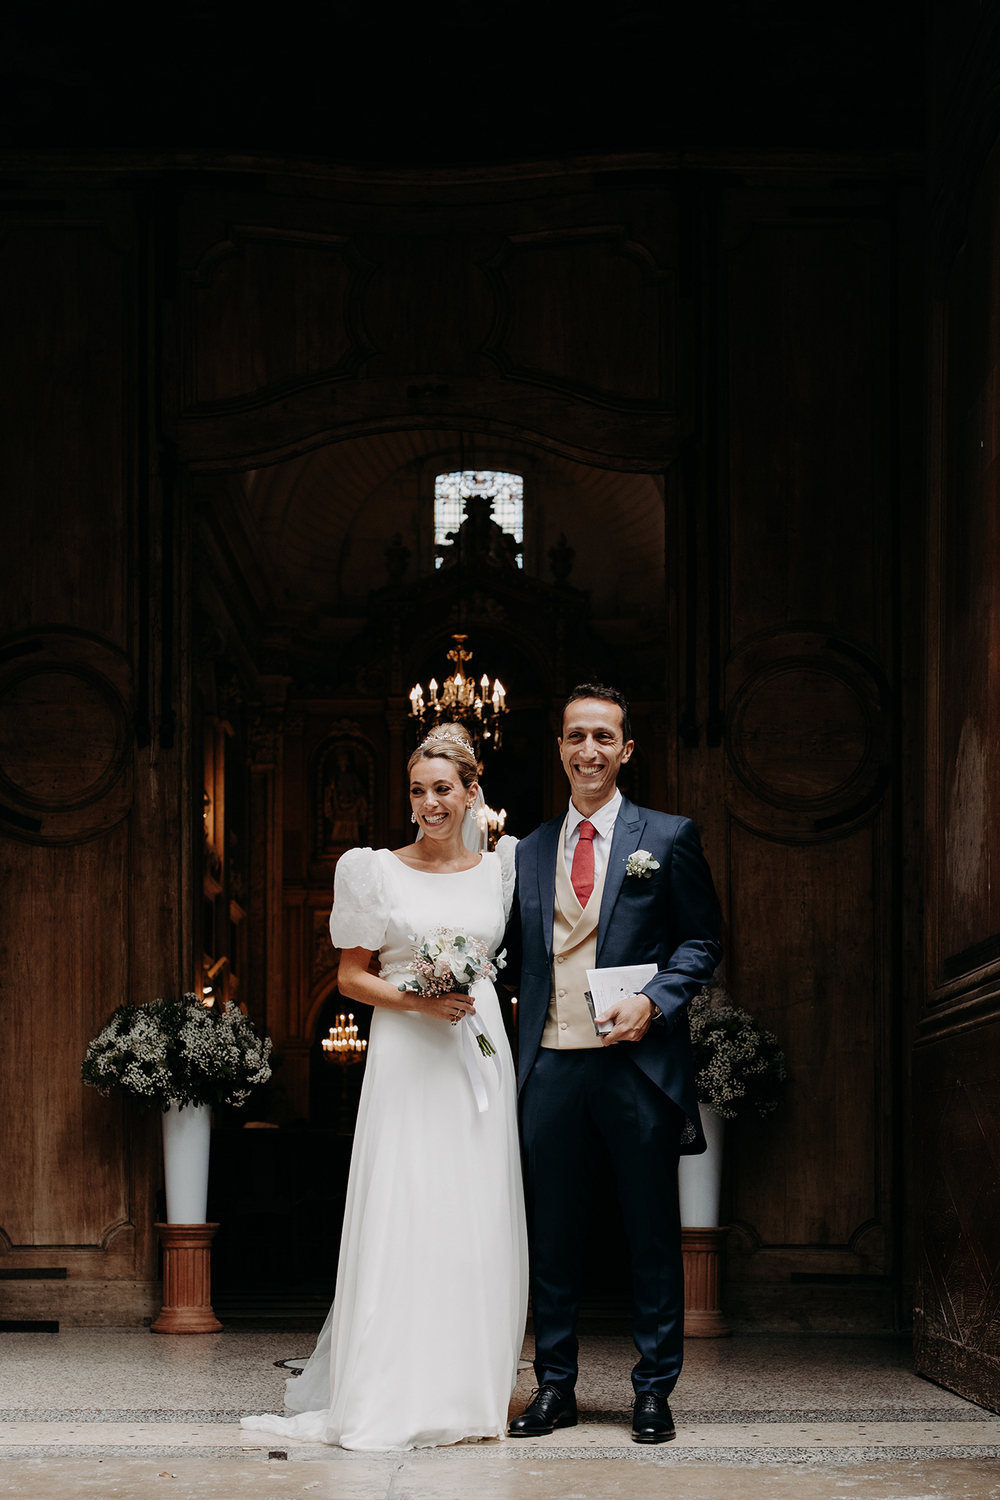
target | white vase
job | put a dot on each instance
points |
(187, 1136)
(699, 1178)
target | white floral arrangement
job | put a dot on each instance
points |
(642, 864)
(738, 1064)
(178, 1052)
(450, 961)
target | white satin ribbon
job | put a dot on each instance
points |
(471, 1027)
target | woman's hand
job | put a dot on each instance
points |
(446, 1007)
(356, 982)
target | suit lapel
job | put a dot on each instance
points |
(548, 850)
(624, 841)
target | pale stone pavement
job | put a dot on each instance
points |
(102, 1413)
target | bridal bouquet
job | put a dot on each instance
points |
(178, 1052)
(450, 962)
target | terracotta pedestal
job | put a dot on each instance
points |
(702, 1280)
(187, 1279)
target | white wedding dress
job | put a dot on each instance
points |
(422, 1342)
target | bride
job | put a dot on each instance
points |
(421, 1345)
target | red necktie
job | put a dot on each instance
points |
(583, 863)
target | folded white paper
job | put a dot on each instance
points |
(608, 986)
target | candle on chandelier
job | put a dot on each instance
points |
(468, 700)
(343, 1037)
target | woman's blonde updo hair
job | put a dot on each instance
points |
(452, 743)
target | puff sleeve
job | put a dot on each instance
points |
(361, 901)
(508, 871)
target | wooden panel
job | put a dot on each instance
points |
(807, 965)
(64, 940)
(78, 1188)
(808, 319)
(62, 736)
(969, 719)
(66, 741)
(956, 1060)
(428, 305)
(427, 313)
(582, 310)
(275, 308)
(62, 454)
(958, 1140)
(804, 617)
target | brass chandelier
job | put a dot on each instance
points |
(461, 700)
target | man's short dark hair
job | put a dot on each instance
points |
(605, 695)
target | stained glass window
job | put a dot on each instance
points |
(452, 490)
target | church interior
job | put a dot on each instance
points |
(657, 349)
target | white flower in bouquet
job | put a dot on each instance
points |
(450, 961)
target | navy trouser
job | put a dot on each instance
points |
(569, 1100)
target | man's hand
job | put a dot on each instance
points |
(632, 1017)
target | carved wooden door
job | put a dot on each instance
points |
(792, 763)
(956, 1060)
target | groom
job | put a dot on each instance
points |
(579, 906)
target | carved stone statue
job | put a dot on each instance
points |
(480, 540)
(561, 560)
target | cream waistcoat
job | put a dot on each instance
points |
(574, 951)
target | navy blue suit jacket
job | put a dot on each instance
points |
(669, 918)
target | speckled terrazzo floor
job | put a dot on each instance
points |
(124, 1413)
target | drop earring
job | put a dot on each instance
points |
(413, 817)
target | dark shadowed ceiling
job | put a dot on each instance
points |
(459, 81)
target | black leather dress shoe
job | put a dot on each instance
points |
(651, 1419)
(548, 1409)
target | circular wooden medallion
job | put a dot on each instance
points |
(63, 736)
(66, 744)
(801, 734)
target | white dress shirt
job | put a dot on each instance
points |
(604, 825)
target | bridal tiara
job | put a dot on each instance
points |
(453, 732)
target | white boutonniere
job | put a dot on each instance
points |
(641, 863)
